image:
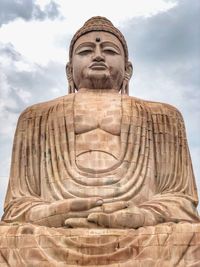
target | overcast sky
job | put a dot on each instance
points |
(163, 37)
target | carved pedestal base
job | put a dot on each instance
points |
(164, 245)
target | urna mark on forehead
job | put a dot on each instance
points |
(98, 39)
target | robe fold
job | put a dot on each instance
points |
(153, 171)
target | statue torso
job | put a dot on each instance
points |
(97, 122)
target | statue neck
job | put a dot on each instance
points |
(103, 91)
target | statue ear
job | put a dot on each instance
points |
(129, 69)
(71, 84)
(127, 77)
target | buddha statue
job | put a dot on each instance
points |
(98, 160)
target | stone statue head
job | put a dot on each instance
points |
(98, 58)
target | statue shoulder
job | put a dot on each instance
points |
(159, 108)
(165, 109)
(42, 108)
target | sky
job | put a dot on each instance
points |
(163, 38)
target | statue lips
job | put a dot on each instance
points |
(98, 66)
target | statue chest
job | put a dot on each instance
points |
(97, 124)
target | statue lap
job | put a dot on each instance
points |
(167, 244)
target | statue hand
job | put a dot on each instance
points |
(74, 205)
(75, 220)
(54, 214)
(131, 217)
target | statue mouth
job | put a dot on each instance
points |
(98, 66)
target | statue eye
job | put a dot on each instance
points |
(110, 50)
(84, 51)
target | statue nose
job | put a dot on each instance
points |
(98, 56)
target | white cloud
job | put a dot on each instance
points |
(24, 95)
(7, 118)
(3, 186)
(118, 11)
(35, 40)
(27, 10)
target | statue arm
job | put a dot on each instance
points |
(176, 197)
(23, 193)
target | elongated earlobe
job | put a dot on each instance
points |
(71, 85)
(127, 77)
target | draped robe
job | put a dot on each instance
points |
(154, 168)
(153, 171)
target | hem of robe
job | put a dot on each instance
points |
(167, 244)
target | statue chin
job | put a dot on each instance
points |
(99, 81)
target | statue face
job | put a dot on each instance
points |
(98, 61)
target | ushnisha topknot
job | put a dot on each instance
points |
(99, 23)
